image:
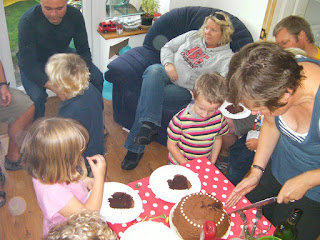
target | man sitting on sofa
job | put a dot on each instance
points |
(295, 32)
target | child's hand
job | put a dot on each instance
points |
(252, 144)
(98, 166)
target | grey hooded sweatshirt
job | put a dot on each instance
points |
(191, 58)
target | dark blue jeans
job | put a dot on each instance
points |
(39, 96)
(155, 86)
(240, 160)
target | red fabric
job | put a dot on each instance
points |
(212, 182)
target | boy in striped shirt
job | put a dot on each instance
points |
(197, 130)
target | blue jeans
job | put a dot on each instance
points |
(240, 160)
(39, 96)
(154, 85)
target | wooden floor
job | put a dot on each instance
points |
(28, 225)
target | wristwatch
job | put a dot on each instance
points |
(4, 83)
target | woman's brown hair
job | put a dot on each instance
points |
(262, 73)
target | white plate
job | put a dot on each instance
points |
(245, 113)
(159, 182)
(175, 230)
(115, 215)
(149, 230)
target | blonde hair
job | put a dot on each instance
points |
(52, 150)
(226, 27)
(85, 225)
(211, 86)
(69, 73)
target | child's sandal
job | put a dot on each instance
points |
(2, 193)
(12, 166)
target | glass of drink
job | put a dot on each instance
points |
(119, 29)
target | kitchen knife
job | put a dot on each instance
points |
(255, 205)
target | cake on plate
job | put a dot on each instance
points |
(193, 210)
(234, 109)
(179, 182)
(121, 200)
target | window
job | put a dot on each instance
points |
(115, 8)
(13, 12)
(76, 3)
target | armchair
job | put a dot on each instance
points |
(125, 72)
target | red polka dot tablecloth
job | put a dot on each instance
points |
(212, 182)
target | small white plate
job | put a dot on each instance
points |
(245, 113)
(149, 230)
(115, 215)
(159, 182)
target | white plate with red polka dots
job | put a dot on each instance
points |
(160, 187)
(119, 215)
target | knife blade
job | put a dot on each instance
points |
(255, 205)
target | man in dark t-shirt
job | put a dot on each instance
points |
(46, 29)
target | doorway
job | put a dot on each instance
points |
(312, 16)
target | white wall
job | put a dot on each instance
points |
(312, 16)
(250, 12)
(94, 12)
(312, 12)
(164, 6)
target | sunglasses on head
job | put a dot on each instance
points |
(219, 16)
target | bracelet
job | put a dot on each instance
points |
(258, 167)
(4, 83)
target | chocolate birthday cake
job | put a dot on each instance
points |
(193, 210)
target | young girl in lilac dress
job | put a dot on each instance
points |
(52, 154)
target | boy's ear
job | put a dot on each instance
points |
(191, 94)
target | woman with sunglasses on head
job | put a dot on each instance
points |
(183, 60)
(270, 81)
